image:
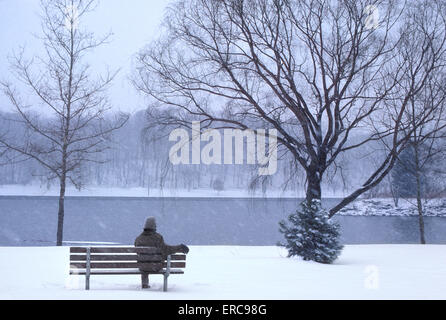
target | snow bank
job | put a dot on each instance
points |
(37, 190)
(362, 272)
(386, 207)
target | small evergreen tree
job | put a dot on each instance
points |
(310, 234)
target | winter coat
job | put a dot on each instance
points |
(150, 238)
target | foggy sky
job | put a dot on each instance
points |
(133, 22)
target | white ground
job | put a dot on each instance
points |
(386, 207)
(362, 272)
(37, 190)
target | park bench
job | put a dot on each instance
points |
(91, 261)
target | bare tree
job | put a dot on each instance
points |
(68, 126)
(432, 100)
(425, 115)
(421, 43)
(317, 71)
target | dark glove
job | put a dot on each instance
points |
(184, 248)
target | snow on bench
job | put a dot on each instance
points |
(90, 261)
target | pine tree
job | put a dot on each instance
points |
(310, 234)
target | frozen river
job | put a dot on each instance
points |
(31, 221)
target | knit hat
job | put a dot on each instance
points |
(150, 224)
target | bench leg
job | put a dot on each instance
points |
(145, 280)
(87, 282)
(165, 283)
(88, 267)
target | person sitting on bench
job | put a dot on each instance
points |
(150, 238)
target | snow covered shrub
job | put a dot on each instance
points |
(310, 234)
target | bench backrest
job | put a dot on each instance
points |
(121, 258)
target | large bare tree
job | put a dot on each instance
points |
(318, 71)
(66, 123)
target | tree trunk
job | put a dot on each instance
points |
(314, 191)
(419, 203)
(61, 214)
(417, 145)
(421, 220)
(395, 194)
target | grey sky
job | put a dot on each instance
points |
(133, 22)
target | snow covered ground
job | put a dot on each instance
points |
(362, 272)
(37, 190)
(386, 207)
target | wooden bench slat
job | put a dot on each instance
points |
(124, 272)
(117, 265)
(123, 257)
(116, 250)
(119, 257)
(178, 257)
